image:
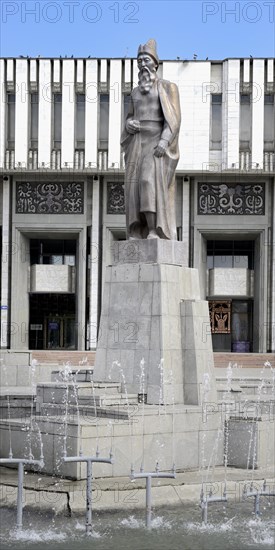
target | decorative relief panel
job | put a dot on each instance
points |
(49, 198)
(115, 198)
(231, 198)
(220, 316)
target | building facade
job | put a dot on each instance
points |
(62, 195)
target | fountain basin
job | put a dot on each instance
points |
(178, 434)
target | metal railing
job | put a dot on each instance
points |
(33, 159)
(79, 159)
(102, 160)
(56, 159)
(245, 160)
(9, 159)
(269, 161)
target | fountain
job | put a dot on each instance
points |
(151, 399)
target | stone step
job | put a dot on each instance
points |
(246, 387)
(86, 411)
(118, 399)
(60, 393)
(60, 357)
(55, 392)
(246, 360)
(79, 375)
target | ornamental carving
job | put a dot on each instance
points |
(220, 316)
(231, 199)
(49, 198)
(115, 198)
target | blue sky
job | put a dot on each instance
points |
(212, 29)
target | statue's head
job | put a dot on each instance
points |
(148, 51)
(148, 63)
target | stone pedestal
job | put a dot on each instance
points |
(152, 311)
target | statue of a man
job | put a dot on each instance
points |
(150, 143)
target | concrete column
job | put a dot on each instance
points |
(231, 113)
(81, 289)
(33, 72)
(258, 113)
(135, 73)
(20, 260)
(260, 294)
(94, 266)
(5, 265)
(273, 274)
(186, 216)
(68, 114)
(91, 113)
(246, 71)
(115, 114)
(79, 72)
(3, 104)
(22, 113)
(57, 72)
(45, 114)
(270, 70)
(103, 71)
(127, 71)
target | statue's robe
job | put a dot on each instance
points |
(159, 172)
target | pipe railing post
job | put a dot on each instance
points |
(89, 461)
(148, 476)
(89, 497)
(208, 498)
(256, 494)
(148, 502)
(20, 462)
(19, 522)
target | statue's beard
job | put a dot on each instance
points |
(146, 79)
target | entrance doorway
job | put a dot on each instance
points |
(52, 321)
(231, 325)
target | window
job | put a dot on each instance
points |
(245, 122)
(103, 121)
(230, 254)
(216, 122)
(11, 121)
(269, 122)
(57, 121)
(54, 252)
(34, 121)
(80, 121)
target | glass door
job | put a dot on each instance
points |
(60, 332)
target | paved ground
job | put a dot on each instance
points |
(65, 496)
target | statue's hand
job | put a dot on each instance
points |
(161, 148)
(132, 126)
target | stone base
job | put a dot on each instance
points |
(152, 312)
(150, 251)
(167, 435)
